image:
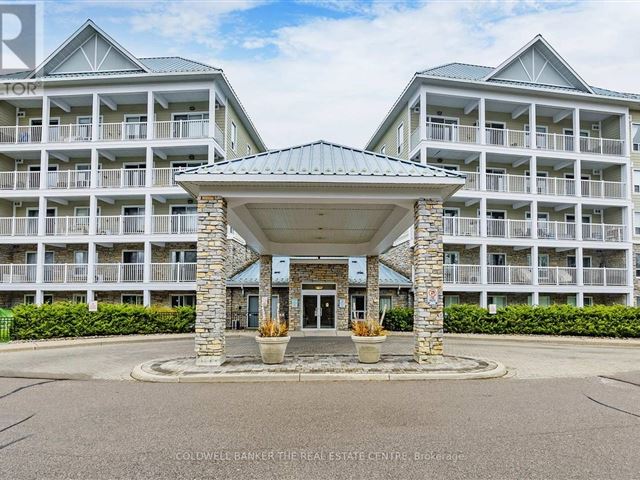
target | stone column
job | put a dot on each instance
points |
(211, 305)
(373, 288)
(428, 276)
(264, 288)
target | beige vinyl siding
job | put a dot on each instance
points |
(635, 164)
(390, 137)
(7, 114)
(244, 138)
(610, 128)
(6, 208)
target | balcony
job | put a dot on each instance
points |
(121, 177)
(63, 226)
(18, 134)
(174, 224)
(173, 272)
(18, 226)
(134, 224)
(523, 275)
(119, 272)
(462, 226)
(69, 179)
(65, 273)
(556, 230)
(17, 273)
(603, 232)
(508, 228)
(19, 180)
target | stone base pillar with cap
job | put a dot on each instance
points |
(264, 288)
(428, 310)
(373, 288)
(211, 305)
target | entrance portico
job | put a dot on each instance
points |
(318, 203)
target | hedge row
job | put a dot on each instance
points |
(64, 319)
(597, 321)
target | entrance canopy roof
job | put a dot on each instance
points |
(320, 198)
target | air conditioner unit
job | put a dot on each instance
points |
(21, 113)
(597, 211)
(595, 126)
(17, 204)
(596, 171)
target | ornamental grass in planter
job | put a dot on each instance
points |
(273, 337)
(368, 337)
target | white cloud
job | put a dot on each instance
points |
(336, 78)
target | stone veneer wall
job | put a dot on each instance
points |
(211, 277)
(373, 287)
(399, 258)
(264, 288)
(239, 257)
(300, 273)
(428, 274)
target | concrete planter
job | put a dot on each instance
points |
(368, 348)
(272, 349)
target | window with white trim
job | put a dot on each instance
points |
(635, 136)
(588, 301)
(234, 136)
(132, 299)
(636, 223)
(400, 138)
(183, 300)
(79, 298)
(385, 303)
(451, 300)
(636, 181)
(637, 259)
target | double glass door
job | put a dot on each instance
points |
(318, 309)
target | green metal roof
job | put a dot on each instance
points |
(465, 71)
(249, 277)
(321, 158)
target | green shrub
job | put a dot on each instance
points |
(600, 321)
(75, 320)
(399, 319)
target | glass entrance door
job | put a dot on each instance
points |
(318, 309)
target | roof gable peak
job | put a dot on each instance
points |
(89, 49)
(538, 63)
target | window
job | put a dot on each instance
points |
(637, 258)
(637, 301)
(636, 181)
(79, 298)
(571, 300)
(385, 303)
(451, 300)
(183, 300)
(636, 223)
(400, 138)
(234, 136)
(543, 300)
(588, 301)
(358, 306)
(498, 300)
(383, 149)
(248, 149)
(132, 299)
(635, 136)
(30, 299)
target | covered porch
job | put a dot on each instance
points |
(320, 204)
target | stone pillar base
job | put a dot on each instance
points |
(428, 346)
(212, 360)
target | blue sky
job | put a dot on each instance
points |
(331, 69)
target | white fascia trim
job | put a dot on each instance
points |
(243, 179)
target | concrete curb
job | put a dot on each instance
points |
(547, 339)
(139, 373)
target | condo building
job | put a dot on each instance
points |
(90, 142)
(552, 169)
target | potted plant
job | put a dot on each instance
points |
(368, 337)
(273, 337)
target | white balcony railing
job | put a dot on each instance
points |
(120, 225)
(123, 131)
(554, 141)
(603, 189)
(507, 138)
(509, 275)
(555, 186)
(70, 133)
(121, 177)
(65, 273)
(17, 273)
(452, 133)
(119, 272)
(603, 232)
(462, 274)
(557, 275)
(173, 272)
(508, 228)
(497, 182)
(472, 181)
(462, 226)
(182, 129)
(62, 226)
(165, 177)
(19, 180)
(69, 179)
(605, 276)
(602, 146)
(19, 134)
(556, 230)
(174, 224)
(18, 226)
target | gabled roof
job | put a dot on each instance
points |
(539, 64)
(320, 158)
(249, 277)
(89, 49)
